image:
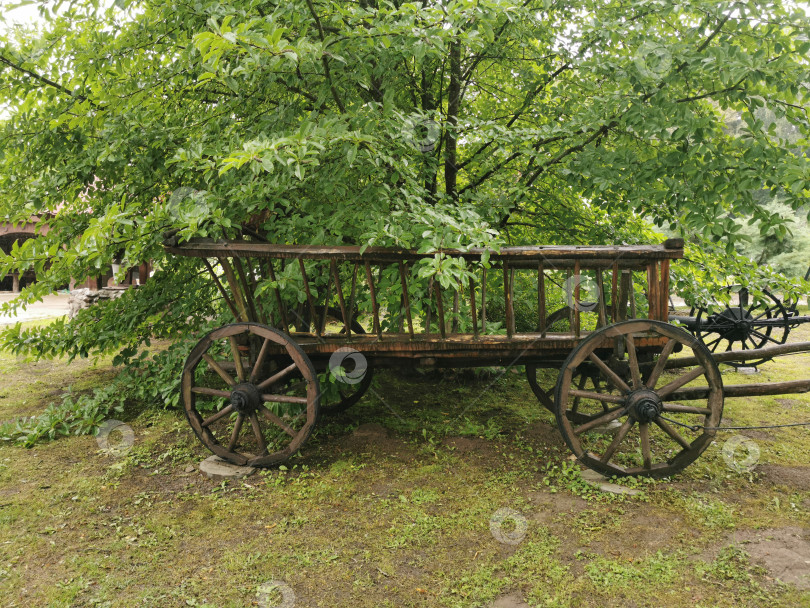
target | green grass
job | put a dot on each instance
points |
(399, 521)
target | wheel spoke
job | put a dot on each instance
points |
(235, 434)
(257, 431)
(644, 431)
(213, 418)
(609, 373)
(603, 397)
(283, 399)
(211, 392)
(611, 415)
(237, 358)
(764, 336)
(620, 435)
(679, 382)
(260, 359)
(714, 343)
(632, 358)
(216, 367)
(277, 376)
(686, 409)
(583, 380)
(669, 347)
(277, 421)
(664, 425)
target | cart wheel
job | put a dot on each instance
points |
(539, 392)
(586, 377)
(650, 438)
(349, 394)
(743, 325)
(236, 400)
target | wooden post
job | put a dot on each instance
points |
(347, 322)
(473, 311)
(375, 307)
(600, 288)
(614, 291)
(507, 288)
(440, 306)
(484, 302)
(312, 315)
(664, 290)
(577, 292)
(405, 298)
(15, 282)
(541, 298)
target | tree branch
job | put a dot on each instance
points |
(45, 80)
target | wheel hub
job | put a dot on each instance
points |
(736, 324)
(245, 398)
(645, 405)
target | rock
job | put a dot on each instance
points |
(190, 468)
(84, 298)
(513, 600)
(601, 482)
(748, 371)
(217, 469)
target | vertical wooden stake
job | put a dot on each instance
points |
(405, 297)
(541, 299)
(507, 295)
(374, 305)
(484, 302)
(312, 314)
(577, 291)
(440, 306)
(347, 322)
(473, 311)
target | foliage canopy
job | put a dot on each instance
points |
(433, 124)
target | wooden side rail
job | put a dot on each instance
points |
(334, 281)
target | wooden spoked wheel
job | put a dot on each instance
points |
(237, 399)
(585, 378)
(665, 420)
(340, 395)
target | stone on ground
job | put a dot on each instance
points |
(217, 469)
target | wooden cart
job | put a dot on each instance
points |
(635, 395)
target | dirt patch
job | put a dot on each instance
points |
(784, 553)
(513, 600)
(797, 478)
(465, 445)
(544, 434)
(787, 403)
(754, 434)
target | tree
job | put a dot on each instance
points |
(435, 124)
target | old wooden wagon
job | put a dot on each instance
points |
(635, 395)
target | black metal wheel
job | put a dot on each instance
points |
(744, 324)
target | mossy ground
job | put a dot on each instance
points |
(401, 518)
